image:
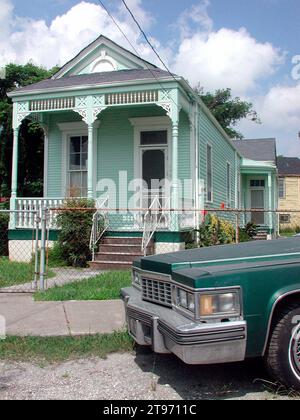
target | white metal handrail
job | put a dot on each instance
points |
(152, 221)
(100, 224)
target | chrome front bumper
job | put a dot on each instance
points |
(166, 331)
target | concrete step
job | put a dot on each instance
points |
(121, 240)
(110, 265)
(117, 256)
(128, 248)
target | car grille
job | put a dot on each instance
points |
(157, 292)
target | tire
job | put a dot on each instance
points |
(283, 353)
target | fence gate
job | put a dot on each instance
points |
(21, 251)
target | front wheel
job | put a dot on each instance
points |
(283, 354)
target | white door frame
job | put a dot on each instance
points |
(151, 124)
(263, 189)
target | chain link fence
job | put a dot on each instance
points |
(19, 251)
(66, 245)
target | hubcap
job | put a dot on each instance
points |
(295, 350)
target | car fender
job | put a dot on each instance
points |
(275, 299)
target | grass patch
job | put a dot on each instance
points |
(288, 234)
(103, 287)
(57, 349)
(14, 273)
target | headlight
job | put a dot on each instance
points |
(219, 304)
(186, 300)
(136, 279)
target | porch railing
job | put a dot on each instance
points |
(35, 205)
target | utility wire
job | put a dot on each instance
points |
(147, 39)
(137, 53)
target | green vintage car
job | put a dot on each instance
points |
(221, 304)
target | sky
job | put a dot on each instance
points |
(251, 47)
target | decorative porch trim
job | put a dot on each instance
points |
(147, 96)
(52, 104)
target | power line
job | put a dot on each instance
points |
(147, 39)
(137, 53)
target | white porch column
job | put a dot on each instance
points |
(90, 176)
(270, 196)
(175, 131)
(14, 176)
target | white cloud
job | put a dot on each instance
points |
(6, 11)
(67, 34)
(198, 15)
(279, 110)
(226, 58)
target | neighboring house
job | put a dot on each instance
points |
(259, 181)
(289, 191)
(108, 111)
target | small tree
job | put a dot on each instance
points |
(75, 221)
(227, 110)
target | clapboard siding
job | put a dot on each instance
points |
(291, 200)
(222, 153)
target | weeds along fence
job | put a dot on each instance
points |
(55, 246)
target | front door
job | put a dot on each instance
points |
(257, 203)
(154, 162)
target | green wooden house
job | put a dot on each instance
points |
(111, 118)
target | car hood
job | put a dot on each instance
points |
(205, 261)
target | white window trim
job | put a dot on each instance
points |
(70, 130)
(151, 124)
(284, 188)
(212, 177)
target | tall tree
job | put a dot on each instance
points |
(31, 142)
(227, 110)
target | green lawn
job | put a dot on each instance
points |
(56, 349)
(12, 273)
(106, 286)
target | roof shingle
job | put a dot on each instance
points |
(288, 166)
(257, 149)
(95, 79)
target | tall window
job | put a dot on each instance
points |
(228, 176)
(209, 174)
(281, 188)
(78, 155)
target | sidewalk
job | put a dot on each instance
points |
(25, 317)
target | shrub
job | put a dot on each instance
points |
(216, 231)
(55, 257)
(244, 236)
(4, 220)
(250, 230)
(74, 237)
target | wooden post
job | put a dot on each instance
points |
(237, 232)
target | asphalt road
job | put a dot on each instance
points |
(140, 375)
